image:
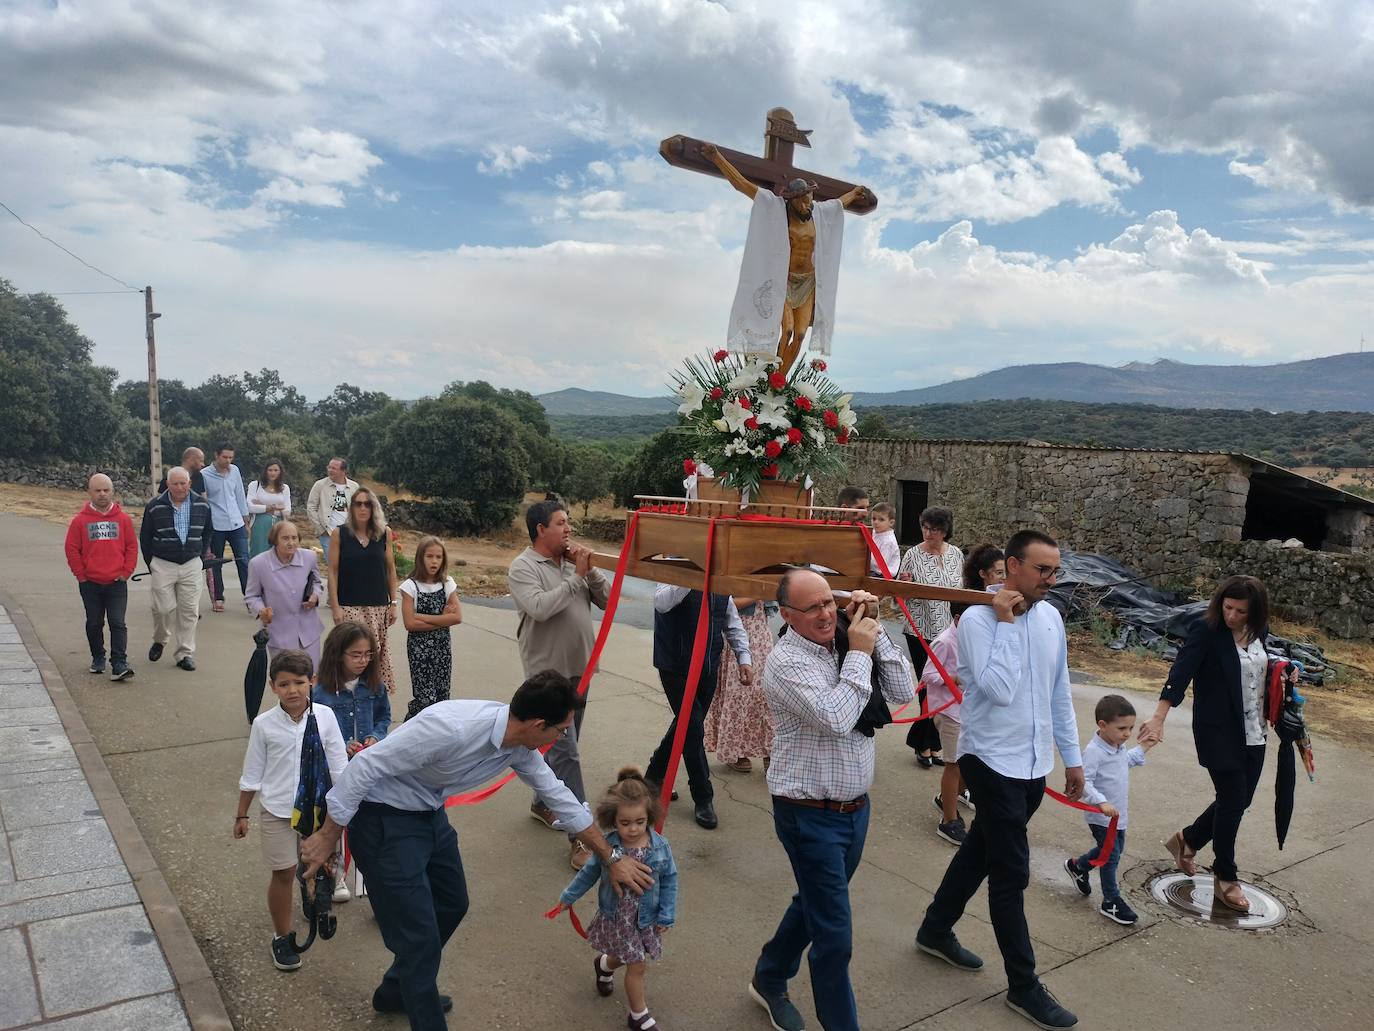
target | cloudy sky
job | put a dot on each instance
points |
(406, 193)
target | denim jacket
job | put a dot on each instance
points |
(658, 904)
(361, 713)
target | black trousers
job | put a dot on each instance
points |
(106, 603)
(995, 848)
(921, 735)
(1219, 823)
(419, 896)
(694, 746)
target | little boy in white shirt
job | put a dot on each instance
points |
(884, 518)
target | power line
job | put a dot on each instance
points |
(64, 250)
(85, 293)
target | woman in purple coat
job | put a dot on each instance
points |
(284, 591)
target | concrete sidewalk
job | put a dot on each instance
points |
(77, 947)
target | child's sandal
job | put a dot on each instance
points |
(644, 1022)
(605, 983)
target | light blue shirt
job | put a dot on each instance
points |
(449, 748)
(181, 517)
(228, 502)
(1017, 704)
(1106, 771)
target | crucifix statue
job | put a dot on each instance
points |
(790, 271)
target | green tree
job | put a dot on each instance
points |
(56, 403)
(366, 440)
(655, 468)
(590, 474)
(872, 424)
(346, 403)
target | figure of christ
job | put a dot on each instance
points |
(799, 302)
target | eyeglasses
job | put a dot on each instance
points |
(811, 610)
(1048, 572)
(362, 504)
(359, 655)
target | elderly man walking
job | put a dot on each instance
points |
(102, 552)
(174, 535)
(327, 505)
(228, 519)
(821, 772)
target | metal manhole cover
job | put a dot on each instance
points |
(1192, 896)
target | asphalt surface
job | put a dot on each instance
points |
(174, 742)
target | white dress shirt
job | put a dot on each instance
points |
(1254, 664)
(815, 703)
(272, 765)
(1017, 702)
(667, 598)
(1106, 769)
(449, 748)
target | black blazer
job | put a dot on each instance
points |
(1209, 661)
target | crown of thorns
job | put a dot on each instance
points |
(795, 188)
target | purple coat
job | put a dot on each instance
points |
(281, 587)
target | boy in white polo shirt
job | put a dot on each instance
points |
(271, 770)
(1106, 768)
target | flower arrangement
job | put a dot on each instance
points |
(754, 422)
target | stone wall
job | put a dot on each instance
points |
(130, 485)
(1153, 510)
(1334, 592)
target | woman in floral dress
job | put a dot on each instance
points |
(738, 725)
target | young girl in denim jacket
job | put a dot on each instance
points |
(628, 930)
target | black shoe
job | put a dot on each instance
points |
(284, 957)
(98, 664)
(1116, 909)
(673, 797)
(925, 761)
(155, 652)
(937, 760)
(1080, 877)
(1041, 1008)
(706, 816)
(121, 671)
(781, 1013)
(385, 1002)
(954, 831)
(948, 949)
(187, 663)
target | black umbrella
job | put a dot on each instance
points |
(307, 817)
(1292, 733)
(255, 677)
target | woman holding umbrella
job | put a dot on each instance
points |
(284, 592)
(1224, 659)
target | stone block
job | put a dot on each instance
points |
(16, 982)
(155, 1013)
(38, 805)
(48, 907)
(1171, 508)
(83, 880)
(94, 959)
(26, 744)
(21, 675)
(62, 848)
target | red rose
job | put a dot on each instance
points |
(843, 438)
(772, 449)
(751, 423)
(689, 467)
(818, 365)
(831, 419)
(716, 394)
(777, 381)
(745, 403)
(720, 356)
(804, 402)
(770, 471)
(794, 436)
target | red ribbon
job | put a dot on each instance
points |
(584, 684)
(1108, 842)
(577, 924)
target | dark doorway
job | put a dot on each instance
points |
(1274, 513)
(915, 500)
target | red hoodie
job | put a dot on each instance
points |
(102, 546)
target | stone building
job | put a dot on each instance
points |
(1157, 511)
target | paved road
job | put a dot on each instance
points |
(174, 742)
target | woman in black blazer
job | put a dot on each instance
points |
(1224, 659)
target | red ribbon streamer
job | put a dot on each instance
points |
(577, 924)
(585, 683)
(1108, 842)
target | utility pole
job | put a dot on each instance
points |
(154, 411)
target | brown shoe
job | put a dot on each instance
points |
(1183, 855)
(544, 815)
(578, 855)
(605, 983)
(741, 766)
(1230, 894)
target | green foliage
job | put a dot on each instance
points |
(366, 441)
(590, 474)
(545, 462)
(872, 424)
(335, 413)
(56, 403)
(656, 468)
(620, 434)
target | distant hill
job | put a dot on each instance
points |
(1339, 383)
(576, 401)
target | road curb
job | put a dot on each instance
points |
(195, 984)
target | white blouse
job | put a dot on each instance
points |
(410, 587)
(259, 498)
(1254, 664)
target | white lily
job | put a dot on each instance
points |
(844, 400)
(817, 436)
(748, 376)
(734, 415)
(771, 410)
(721, 425)
(847, 418)
(807, 390)
(692, 397)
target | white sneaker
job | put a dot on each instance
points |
(341, 892)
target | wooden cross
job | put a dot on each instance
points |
(774, 169)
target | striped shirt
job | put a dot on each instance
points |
(815, 702)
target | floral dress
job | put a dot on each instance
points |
(738, 724)
(430, 652)
(932, 618)
(621, 936)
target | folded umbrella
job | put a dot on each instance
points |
(255, 676)
(307, 816)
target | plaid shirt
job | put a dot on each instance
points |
(181, 517)
(815, 703)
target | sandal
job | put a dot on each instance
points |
(1183, 855)
(644, 1022)
(605, 983)
(1230, 894)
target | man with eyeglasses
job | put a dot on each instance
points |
(1014, 668)
(820, 775)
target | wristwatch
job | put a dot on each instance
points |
(617, 854)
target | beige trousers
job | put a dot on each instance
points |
(176, 603)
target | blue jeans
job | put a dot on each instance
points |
(825, 848)
(1108, 869)
(419, 895)
(324, 544)
(238, 544)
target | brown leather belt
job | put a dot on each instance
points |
(824, 803)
